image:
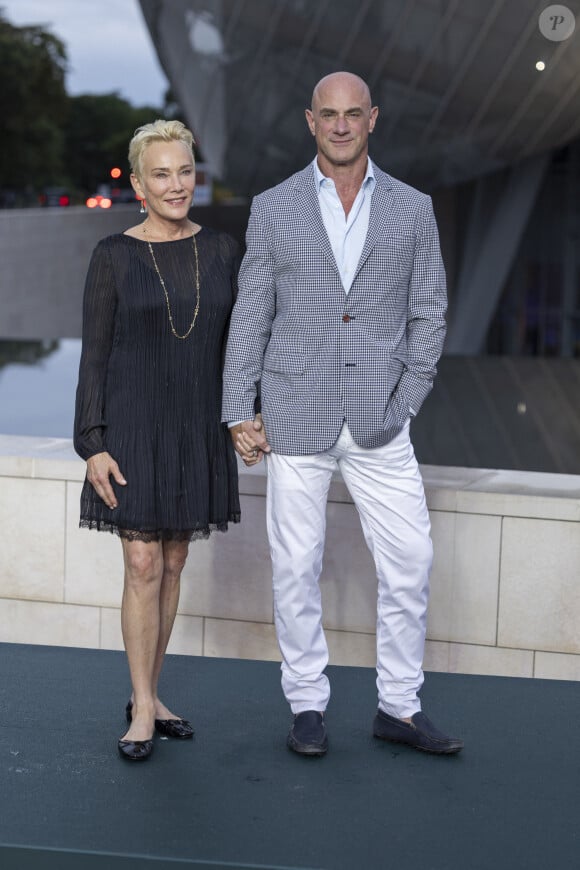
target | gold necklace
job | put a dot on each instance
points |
(162, 282)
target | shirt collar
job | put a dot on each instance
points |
(368, 181)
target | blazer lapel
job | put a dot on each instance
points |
(309, 207)
(379, 217)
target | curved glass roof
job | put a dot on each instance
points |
(456, 82)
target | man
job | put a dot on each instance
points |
(340, 319)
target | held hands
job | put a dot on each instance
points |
(249, 440)
(99, 469)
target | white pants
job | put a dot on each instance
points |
(387, 489)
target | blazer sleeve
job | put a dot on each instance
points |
(426, 308)
(99, 310)
(251, 320)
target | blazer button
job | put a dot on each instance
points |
(345, 318)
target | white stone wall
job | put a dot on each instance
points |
(505, 597)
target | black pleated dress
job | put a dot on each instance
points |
(151, 400)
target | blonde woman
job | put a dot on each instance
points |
(161, 470)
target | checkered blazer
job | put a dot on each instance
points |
(323, 356)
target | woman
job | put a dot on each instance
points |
(161, 470)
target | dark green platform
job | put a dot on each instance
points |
(236, 797)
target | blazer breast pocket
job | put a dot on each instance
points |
(392, 259)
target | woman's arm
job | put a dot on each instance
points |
(99, 309)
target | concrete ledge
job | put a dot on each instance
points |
(504, 593)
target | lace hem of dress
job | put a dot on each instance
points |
(159, 534)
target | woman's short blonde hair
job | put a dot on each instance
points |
(157, 131)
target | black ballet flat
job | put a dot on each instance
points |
(135, 750)
(179, 729)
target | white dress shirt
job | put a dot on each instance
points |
(346, 233)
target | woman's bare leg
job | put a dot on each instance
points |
(140, 622)
(174, 556)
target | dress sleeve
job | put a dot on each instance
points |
(99, 310)
(233, 255)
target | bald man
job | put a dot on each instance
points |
(340, 319)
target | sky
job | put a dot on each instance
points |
(107, 42)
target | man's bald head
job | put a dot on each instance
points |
(341, 120)
(341, 81)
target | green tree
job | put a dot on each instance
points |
(33, 106)
(51, 139)
(97, 137)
